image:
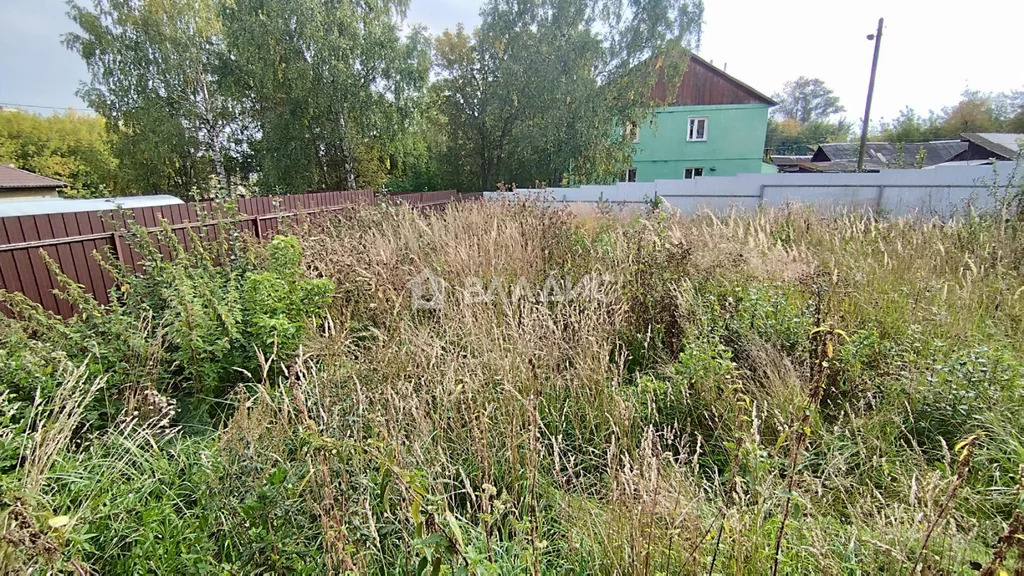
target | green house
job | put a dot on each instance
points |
(714, 125)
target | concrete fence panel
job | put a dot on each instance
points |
(940, 191)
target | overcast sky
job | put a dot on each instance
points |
(931, 49)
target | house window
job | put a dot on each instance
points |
(698, 129)
(691, 173)
(628, 176)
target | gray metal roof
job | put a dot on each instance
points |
(838, 166)
(788, 159)
(1004, 144)
(62, 206)
(885, 153)
(11, 177)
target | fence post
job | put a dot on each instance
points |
(259, 227)
(118, 251)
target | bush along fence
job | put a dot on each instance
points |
(74, 240)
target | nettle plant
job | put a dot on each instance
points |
(194, 322)
(217, 306)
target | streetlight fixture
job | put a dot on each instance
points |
(877, 37)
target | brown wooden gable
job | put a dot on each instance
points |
(705, 85)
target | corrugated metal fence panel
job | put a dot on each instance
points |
(74, 240)
(424, 199)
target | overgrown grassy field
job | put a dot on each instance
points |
(782, 392)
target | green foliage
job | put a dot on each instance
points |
(693, 394)
(788, 136)
(976, 112)
(184, 324)
(137, 505)
(331, 94)
(214, 317)
(958, 394)
(806, 100)
(535, 92)
(778, 315)
(276, 303)
(415, 164)
(175, 128)
(830, 366)
(69, 147)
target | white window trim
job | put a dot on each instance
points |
(689, 123)
(693, 172)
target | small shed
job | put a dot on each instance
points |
(789, 163)
(888, 154)
(990, 146)
(18, 184)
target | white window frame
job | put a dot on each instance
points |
(691, 128)
(625, 175)
(692, 170)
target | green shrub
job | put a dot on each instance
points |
(958, 395)
(187, 325)
(277, 303)
(778, 314)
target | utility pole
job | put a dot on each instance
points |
(877, 37)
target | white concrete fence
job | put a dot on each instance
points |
(940, 191)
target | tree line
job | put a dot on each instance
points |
(196, 97)
(71, 147)
(809, 113)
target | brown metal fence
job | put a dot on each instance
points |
(72, 239)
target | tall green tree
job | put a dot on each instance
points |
(329, 84)
(73, 148)
(416, 161)
(535, 92)
(974, 113)
(153, 67)
(910, 126)
(789, 136)
(806, 100)
(805, 117)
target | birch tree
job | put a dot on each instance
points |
(153, 75)
(323, 80)
(536, 92)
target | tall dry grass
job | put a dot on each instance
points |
(782, 390)
(671, 427)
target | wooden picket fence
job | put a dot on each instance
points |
(73, 239)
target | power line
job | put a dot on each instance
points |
(44, 107)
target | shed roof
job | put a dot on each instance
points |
(837, 166)
(789, 159)
(11, 177)
(62, 206)
(1004, 144)
(886, 153)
